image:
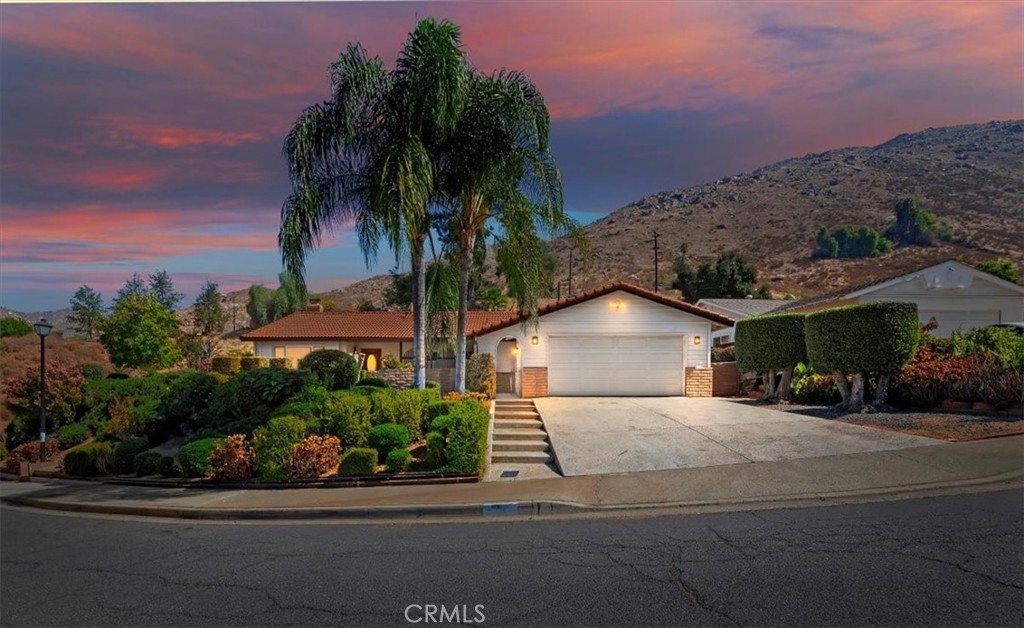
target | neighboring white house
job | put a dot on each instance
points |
(619, 340)
(738, 309)
(950, 294)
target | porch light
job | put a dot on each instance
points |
(696, 340)
(617, 305)
(515, 350)
(535, 340)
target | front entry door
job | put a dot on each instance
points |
(372, 359)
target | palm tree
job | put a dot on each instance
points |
(368, 156)
(497, 165)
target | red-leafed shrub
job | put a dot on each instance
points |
(232, 460)
(29, 452)
(65, 394)
(926, 383)
(315, 456)
(480, 398)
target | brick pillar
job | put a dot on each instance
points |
(535, 381)
(699, 381)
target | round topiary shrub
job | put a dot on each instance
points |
(74, 434)
(167, 467)
(770, 342)
(373, 382)
(436, 455)
(335, 369)
(388, 436)
(125, 452)
(91, 371)
(147, 463)
(90, 460)
(360, 461)
(399, 460)
(194, 458)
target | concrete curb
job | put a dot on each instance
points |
(532, 509)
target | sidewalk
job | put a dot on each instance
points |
(834, 479)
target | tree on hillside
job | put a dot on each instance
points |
(1002, 268)
(914, 226)
(161, 286)
(208, 314)
(370, 155)
(366, 305)
(399, 294)
(490, 297)
(290, 296)
(139, 333)
(133, 287)
(14, 327)
(730, 277)
(86, 312)
(259, 306)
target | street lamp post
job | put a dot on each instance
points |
(43, 330)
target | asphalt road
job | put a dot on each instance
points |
(940, 561)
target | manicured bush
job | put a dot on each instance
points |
(315, 456)
(387, 436)
(147, 463)
(167, 467)
(347, 416)
(92, 371)
(399, 460)
(1004, 345)
(226, 365)
(89, 460)
(361, 461)
(186, 400)
(233, 459)
(280, 363)
(273, 446)
(771, 342)
(75, 434)
(252, 362)
(441, 424)
(373, 382)
(480, 374)
(194, 458)
(335, 369)
(125, 452)
(439, 408)
(29, 452)
(431, 384)
(248, 400)
(466, 448)
(392, 361)
(436, 456)
(813, 388)
(404, 407)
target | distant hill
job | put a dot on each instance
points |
(57, 318)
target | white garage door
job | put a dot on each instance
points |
(950, 321)
(615, 365)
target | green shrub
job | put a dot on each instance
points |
(13, 327)
(480, 374)
(466, 448)
(1006, 346)
(431, 384)
(249, 399)
(441, 424)
(335, 369)
(102, 393)
(850, 241)
(90, 460)
(280, 363)
(813, 388)
(869, 338)
(273, 446)
(404, 407)
(388, 436)
(194, 458)
(3, 451)
(252, 362)
(74, 434)
(147, 463)
(766, 343)
(184, 404)
(399, 460)
(436, 455)
(728, 354)
(92, 371)
(226, 365)
(167, 467)
(347, 416)
(373, 382)
(392, 361)
(125, 452)
(360, 461)
(437, 409)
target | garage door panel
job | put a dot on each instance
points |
(615, 365)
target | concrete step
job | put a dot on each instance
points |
(516, 414)
(521, 457)
(511, 403)
(519, 445)
(520, 434)
(501, 424)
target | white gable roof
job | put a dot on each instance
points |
(947, 275)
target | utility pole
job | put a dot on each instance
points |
(572, 250)
(655, 262)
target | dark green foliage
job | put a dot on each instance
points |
(436, 455)
(147, 463)
(194, 458)
(813, 388)
(480, 374)
(273, 446)
(828, 248)
(167, 467)
(91, 460)
(86, 312)
(1004, 345)
(432, 385)
(399, 460)
(208, 313)
(404, 407)
(13, 327)
(387, 436)
(74, 434)
(139, 333)
(366, 305)
(914, 226)
(226, 365)
(870, 338)
(439, 408)
(184, 404)
(440, 424)
(723, 354)
(125, 452)
(259, 305)
(247, 401)
(1002, 268)
(774, 341)
(252, 362)
(360, 461)
(850, 242)
(335, 369)
(280, 363)
(466, 448)
(373, 382)
(162, 289)
(92, 371)
(730, 277)
(347, 416)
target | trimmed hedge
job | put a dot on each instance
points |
(399, 460)
(466, 443)
(335, 369)
(74, 434)
(373, 382)
(90, 460)
(280, 363)
(147, 463)
(253, 362)
(439, 408)
(360, 461)
(388, 436)
(480, 374)
(436, 455)
(125, 452)
(226, 365)
(194, 458)
(347, 416)
(273, 446)
(869, 338)
(775, 341)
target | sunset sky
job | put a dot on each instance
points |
(138, 137)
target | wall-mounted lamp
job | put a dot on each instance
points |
(535, 340)
(515, 350)
(617, 305)
(696, 340)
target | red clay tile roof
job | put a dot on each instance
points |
(378, 325)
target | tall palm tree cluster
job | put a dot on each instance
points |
(431, 146)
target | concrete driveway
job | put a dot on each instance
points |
(595, 435)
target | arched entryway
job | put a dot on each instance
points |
(506, 366)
